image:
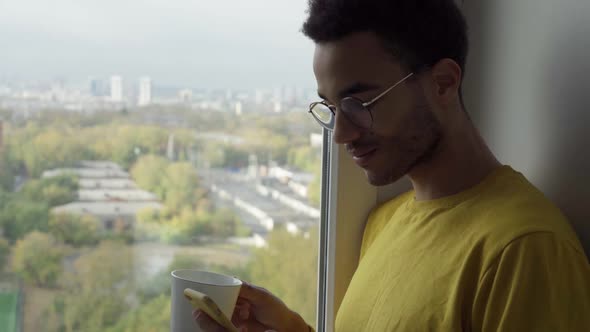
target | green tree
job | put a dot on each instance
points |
(180, 183)
(288, 268)
(266, 144)
(4, 251)
(20, 217)
(37, 259)
(304, 158)
(235, 157)
(73, 229)
(148, 226)
(213, 154)
(153, 316)
(54, 191)
(148, 172)
(314, 189)
(50, 147)
(160, 283)
(97, 291)
(124, 140)
(224, 223)
(7, 171)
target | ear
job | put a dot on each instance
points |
(446, 79)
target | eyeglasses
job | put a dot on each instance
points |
(355, 110)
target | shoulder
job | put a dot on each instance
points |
(515, 211)
(537, 275)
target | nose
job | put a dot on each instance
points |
(344, 131)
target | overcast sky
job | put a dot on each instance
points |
(192, 43)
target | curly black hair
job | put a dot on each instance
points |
(418, 33)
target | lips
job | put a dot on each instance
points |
(362, 155)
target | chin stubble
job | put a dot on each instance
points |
(431, 136)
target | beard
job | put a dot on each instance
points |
(402, 152)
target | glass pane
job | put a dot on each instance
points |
(142, 137)
(322, 112)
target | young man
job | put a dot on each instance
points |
(474, 247)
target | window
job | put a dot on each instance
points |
(140, 137)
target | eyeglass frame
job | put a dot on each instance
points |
(330, 126)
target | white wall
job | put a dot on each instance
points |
(528, 89)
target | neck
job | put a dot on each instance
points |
(461, 161)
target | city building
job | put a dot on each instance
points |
(96, 87)
(116, 89)
(239, 108)
(107, 193)
(185, 95)
(145, 91)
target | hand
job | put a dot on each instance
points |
(257, 310)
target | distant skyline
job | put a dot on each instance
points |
(192, 43)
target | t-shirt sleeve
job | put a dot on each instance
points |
(539, 282)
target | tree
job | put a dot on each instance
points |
(304, 158)
(53, 146)
(148, 172)
(224, 223)
(73, 229)
(314, 189)
(98, 290)
(55, 191)
(20, 217)
(4, 251)
(180, 183)
(147, 225)
(7, 172)
(213, 154)
(288, 268)
(37, 259)
(265, 143)
(160, 283)
(120, 146)
(153, 316)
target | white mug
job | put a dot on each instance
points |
(222, 289)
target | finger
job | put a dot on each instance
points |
(253, 293)
(243, 310)
(242, 301)
(206, 323)
(240, 314)
(236, 321)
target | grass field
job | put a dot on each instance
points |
(8, 308)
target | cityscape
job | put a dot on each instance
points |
(116, 93)
(119, 170)
(140, 137)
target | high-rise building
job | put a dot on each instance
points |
(145, 91)
(239, 108)
(116, 88)
(185, 95)
(259, 98)
(96, 87)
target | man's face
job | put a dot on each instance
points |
(405, 131)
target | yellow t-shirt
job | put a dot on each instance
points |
(496, 257)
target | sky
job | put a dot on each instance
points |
(185, 43)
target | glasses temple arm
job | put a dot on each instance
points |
(386, 91)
